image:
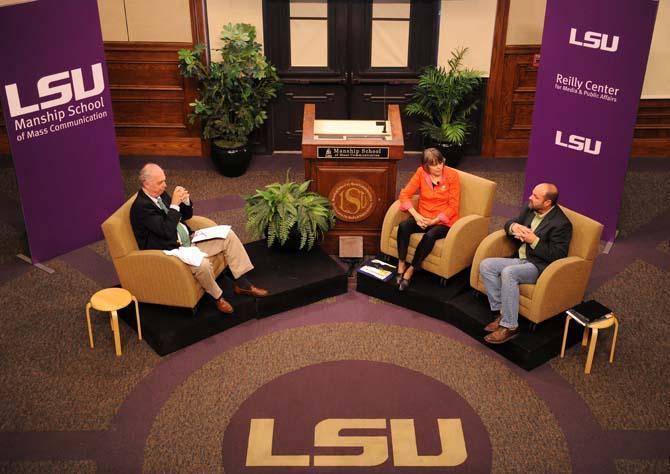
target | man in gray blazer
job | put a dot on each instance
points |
(543, 233)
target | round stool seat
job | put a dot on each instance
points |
(111, 299)
(603, 323)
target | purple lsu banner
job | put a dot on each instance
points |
(593, 59)
(57, 110)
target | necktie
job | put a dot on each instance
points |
(182, 231)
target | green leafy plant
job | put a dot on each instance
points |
(235, 91)
(445, 99)
(273, 211)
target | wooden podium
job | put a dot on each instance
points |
(354, 164)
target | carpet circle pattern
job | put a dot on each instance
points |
(225, 393)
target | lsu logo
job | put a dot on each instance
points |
(579, 143)
(594, 40)
(373, 449)
(53, 85)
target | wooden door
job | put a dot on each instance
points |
(352, 58)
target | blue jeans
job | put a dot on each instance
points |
(502, 277)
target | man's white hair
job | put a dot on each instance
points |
(146, 172)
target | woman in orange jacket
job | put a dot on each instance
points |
(439, 197)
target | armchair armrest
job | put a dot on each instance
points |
(200, 222)
(154, 277)
(496, 244)
(560, 286)
(392, 218)
(461, 243)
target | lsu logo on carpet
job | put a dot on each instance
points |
(373, 448)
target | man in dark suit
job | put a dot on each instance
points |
(543, 234)
(157, 222)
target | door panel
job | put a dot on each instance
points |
(348, 87)
(371, 101)
(330, 100)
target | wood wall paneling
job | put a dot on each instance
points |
(495, 78)
(652, 129)
(151, 100)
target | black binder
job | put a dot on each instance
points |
(589, 312)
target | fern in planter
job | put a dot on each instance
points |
(282, 208)
(444, 99)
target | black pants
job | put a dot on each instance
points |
(430, 236)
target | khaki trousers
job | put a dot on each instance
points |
(236, 257)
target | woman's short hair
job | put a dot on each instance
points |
(431, 157)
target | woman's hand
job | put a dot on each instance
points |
(421, 221)
(427, 222)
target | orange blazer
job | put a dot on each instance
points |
(442, 201)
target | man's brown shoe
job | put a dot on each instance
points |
(253, 291)
(502, 335)
(223, 306)
(493, 325)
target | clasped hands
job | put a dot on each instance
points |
(424, 222)
(523, 233)
(180, 195)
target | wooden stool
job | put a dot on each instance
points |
(112, 299)
(594, 327)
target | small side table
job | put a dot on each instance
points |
(594, 327)
(112, 300)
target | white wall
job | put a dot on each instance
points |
(467, 23)
(222, 12)
(145, 20)
(525, 21)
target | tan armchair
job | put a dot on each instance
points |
(455, 252)
(150, 275)
(562, 284)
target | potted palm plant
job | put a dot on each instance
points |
(234, 93)
(288, 216)
(444, 99)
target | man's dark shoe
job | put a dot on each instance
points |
(502, 335)
(493, 325)
(252, 291)
(223, 306)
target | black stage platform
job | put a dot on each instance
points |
(294, 279)
(459, 305)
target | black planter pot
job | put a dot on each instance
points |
(231, 162)
(452, 153)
